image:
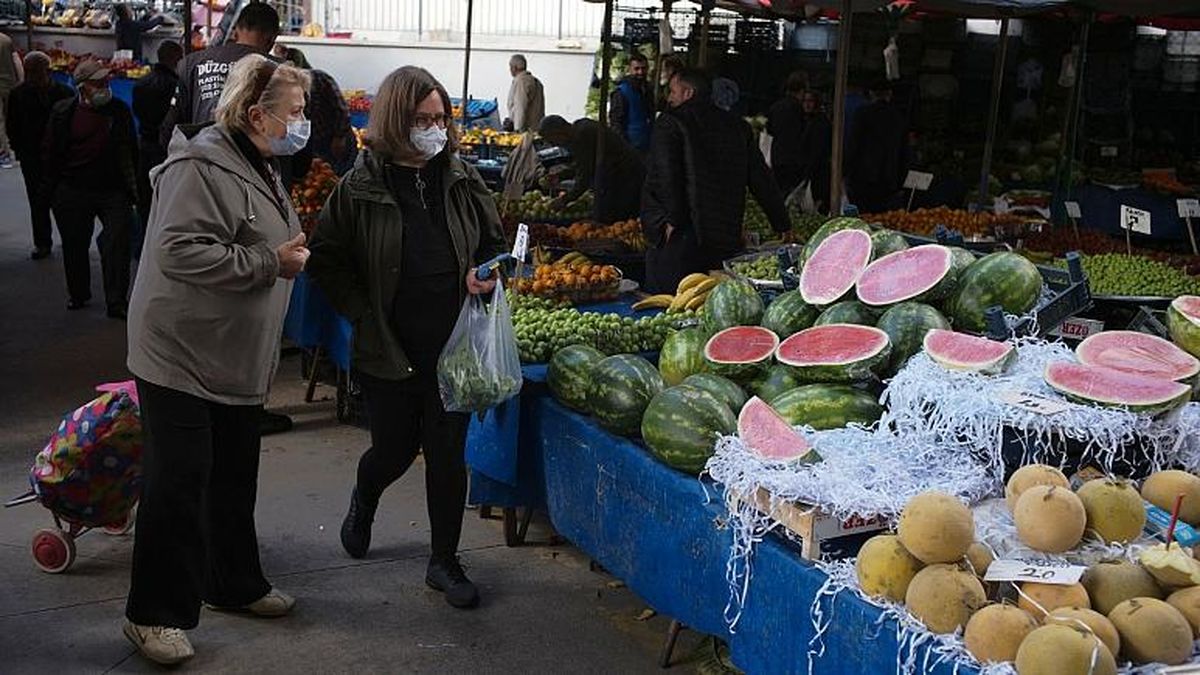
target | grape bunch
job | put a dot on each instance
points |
(1121, 274)
(763, 268)
(542, 330)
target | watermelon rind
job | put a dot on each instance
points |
(960, 260)
(682, 355)
(1094, 351)
(788, 313)
(815, 370)
(742, 370)
(884, 242)
(1183, 324)
(847, 311)
(939, 284)
(827, 406)
(906, 325)
(1175, 393)
(820, 292)
(989, 366)
(831, 226)
(1004, 279)
(723, 388)
(733, 302)
(775, 381)
(681, 426)
(569, 374)
(622, 386)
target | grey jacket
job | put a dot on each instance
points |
(207, 309)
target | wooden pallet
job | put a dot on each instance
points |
(812, 525)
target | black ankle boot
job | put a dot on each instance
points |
(356, 528)
(447, 575)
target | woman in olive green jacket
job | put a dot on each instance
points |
(395, 251)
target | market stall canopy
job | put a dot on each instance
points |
(990, 9)
(1144, 8)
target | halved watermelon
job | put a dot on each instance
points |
(920, 273)
(741, 353)
(770, 436)
(959, 351)
(835, 266)
(836, 352)
(1138, 353)
(1110, 388)
(1183, 323)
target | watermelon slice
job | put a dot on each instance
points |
(1110, 388)
(922, 273)
(1139, 354)
(741, 353)
(770, 436)
(959, 351)
(1183, 322)
(836, 352)
(835, 266)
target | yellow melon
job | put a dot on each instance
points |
(1028, 476)
(1187, 601)
(1050, 518)
(1114, 510)
(1111, 582)
(885, 567)
(1064, 650)
(1050, 597)
(1152, 631)
(994, 633)
(936, 528)
(980, 557)
(1095, 621)
(944, 597)
(1161, 489)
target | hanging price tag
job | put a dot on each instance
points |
(1073, 210)
(1135, 220)
(918, 180)
(1038, 571)
(1108, 151)
(521, 243)
(1188, 208)
(1032, 402)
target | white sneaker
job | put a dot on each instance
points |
(162, 645)
(275, 603)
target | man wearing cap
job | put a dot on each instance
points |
(89, 156)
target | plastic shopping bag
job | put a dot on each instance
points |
(802, 198)
(479, 366)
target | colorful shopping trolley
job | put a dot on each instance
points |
(89, 475)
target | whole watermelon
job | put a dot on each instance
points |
(733, 302)
(788, 313)
(960, 259)
(682, 424)
(725, 389)
(622, 387)
(1004, 279)
(906, 325)
(827, 406)
(682, 355)
(777, 380)
(847, 311)
(831, 226)
(884, 242)
(569, 374)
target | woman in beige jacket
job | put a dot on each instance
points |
(204, 326)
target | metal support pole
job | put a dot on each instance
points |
(420, 19)
(606, 67)
(1071, 134)
(29, 25)
(560, 19)
(993, 114)
(705, 22)
(467, 64)
(837, 157)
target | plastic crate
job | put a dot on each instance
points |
(1152, 321)
(752, 36)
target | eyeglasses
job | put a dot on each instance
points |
(424, 120)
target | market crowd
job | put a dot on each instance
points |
(193, 180)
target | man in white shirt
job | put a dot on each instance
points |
(526, 101)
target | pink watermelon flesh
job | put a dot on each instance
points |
(741, 344)
(1113, 387)
(959, 351)
(1189, 306)
(904, 275)
(770, 436)
(832, 344)
(1137, 353)
(835, 266)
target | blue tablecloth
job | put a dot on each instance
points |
(660, 532)
(1101, 209)
(311, 322)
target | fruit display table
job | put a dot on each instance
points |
(1101, 209)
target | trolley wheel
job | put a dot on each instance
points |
(53, 550)
(122, 527)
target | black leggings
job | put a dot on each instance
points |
(195, 538)
(406, 416)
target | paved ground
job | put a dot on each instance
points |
(543, 610)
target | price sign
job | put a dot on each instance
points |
(1078, 329)
(521, 243)
(1108, 151)
(1135, 220)
(1032, 402)
(918, 180)
(1038, 571)
(1073, 210)
(1189, 208)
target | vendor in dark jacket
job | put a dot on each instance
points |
(631, 105)
(877, 152)
(395, 251)
(618, 182)
(28, 109)
(701, 162)
(151, 100)
(90, 159)
(130, 30)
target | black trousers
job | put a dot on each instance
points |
(75, 211)
(668, 263)
(195, 538)
(39, 208)
(406, 416)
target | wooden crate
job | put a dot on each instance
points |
(812, 525)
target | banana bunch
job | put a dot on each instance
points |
(574, 260)
(690, 295)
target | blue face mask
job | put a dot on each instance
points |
(297, 137)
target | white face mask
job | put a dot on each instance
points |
(298, 132)
(428, 142)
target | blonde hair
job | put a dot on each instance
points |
(393, 110)
(255, 80)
